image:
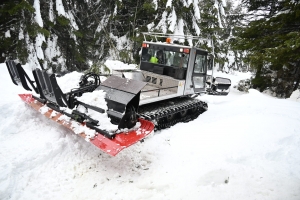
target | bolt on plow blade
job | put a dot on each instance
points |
(112, 146)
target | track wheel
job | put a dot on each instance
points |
(170, 117)
(183, 113)
(192, 110)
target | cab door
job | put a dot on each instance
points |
(199, 71)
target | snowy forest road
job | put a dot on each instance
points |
(246, 146)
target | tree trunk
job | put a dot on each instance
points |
(297, 75)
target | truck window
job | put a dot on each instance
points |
(200, 64)
(164, 57)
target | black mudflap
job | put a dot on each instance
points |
(122, 97)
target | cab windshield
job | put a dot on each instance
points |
(165, 57)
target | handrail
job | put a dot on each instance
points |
(176, 36)
(154, 34)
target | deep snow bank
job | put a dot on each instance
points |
(246, 146)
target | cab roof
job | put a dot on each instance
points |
(171, 45)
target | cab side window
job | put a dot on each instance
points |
(200, 64)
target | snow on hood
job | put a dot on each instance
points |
(115, 65)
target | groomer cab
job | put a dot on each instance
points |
(171, 60)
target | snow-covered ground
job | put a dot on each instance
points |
(246, 146)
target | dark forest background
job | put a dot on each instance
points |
(260, 36)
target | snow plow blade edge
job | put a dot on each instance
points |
(110, 146)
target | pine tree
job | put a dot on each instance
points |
(13, 24)
(273, 43)
(216, 27)
(77, 34)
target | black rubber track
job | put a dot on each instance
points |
(169, 112)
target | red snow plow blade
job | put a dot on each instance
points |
(110, 146)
